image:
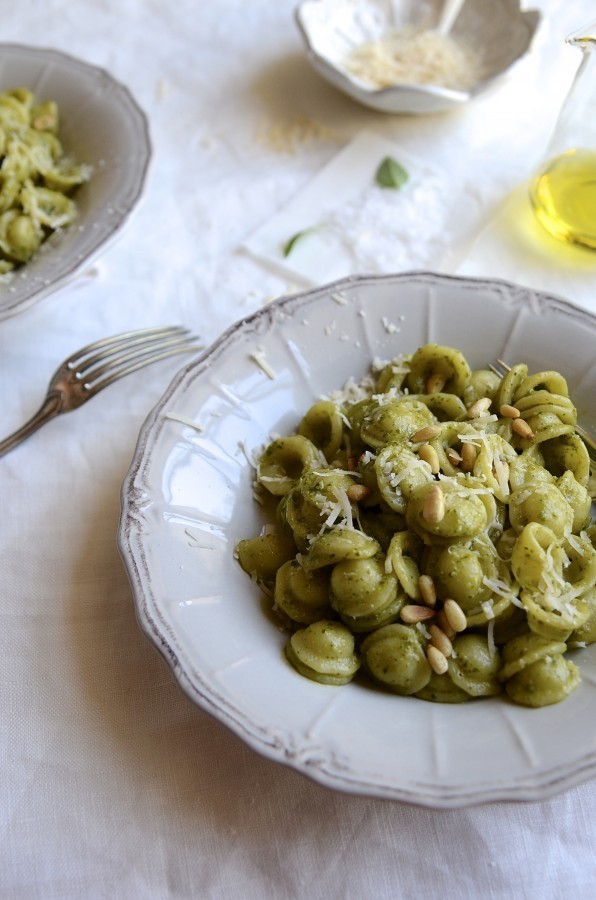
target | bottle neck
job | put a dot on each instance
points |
(576, 125)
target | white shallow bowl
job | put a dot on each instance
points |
(498, 30)
(187, 500)
(100, 125)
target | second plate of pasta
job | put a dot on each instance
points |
(189, 512)
(76, 157)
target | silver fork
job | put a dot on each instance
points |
(501, 368)
(90, 370)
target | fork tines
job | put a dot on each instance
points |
(124, 353)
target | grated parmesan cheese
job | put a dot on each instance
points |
(487, 609)
(498, 587)
(573, 542)
(368, 457)
(490, 636)
(390, 327)
(184, 420)
(340, 299)
(250, 458)
(420, 626)
(345, 506)
(414, 56)
(476, 438)
(288, 136)
(328, 473)
(259, 357)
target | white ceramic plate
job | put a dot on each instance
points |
(498, 30)
(187, 500)
(102, 126)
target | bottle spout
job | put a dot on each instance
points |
(584, 38)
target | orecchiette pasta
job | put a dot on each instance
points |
(434, 534)
(35, 177)
(394, 656)
(324, 652)
(364, 594)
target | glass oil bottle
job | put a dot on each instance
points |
(563, 190)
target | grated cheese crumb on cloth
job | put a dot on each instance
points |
(288, 136)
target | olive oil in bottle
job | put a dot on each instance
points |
(563, 190)
(563, 195)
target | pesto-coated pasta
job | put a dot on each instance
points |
(303, 596)
(36, 179)
(394, 656)
(434, 533)
(324, 652)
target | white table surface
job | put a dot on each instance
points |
(112, 783)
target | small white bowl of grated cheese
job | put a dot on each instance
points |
(391, 56)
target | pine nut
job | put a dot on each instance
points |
(433, 509)
(479, 408)
(435, 383)
(357, 492)
(42, 123)
(445, 626)
(411, 613)
(426, 434)
(429, 455)
(509, 412)
(468, 456)
(438, 661)
(455, 615)
(453, 457)
(439, 639)
(428, 592)
(521, 427)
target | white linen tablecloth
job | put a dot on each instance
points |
(112, 783)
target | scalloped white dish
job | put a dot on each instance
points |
(101, 125)
(499, 31)
(187, 500)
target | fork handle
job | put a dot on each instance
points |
(48, 409)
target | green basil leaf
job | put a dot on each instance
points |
(289, 245)
(391, 174)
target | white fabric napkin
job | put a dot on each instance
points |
(345, 222)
